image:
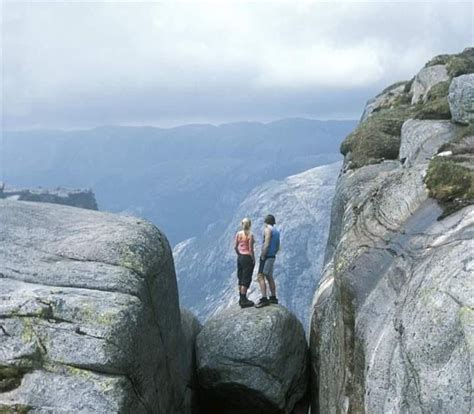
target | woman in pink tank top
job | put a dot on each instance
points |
(243, 246)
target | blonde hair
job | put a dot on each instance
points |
(246, 224)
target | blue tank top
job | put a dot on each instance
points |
(274, 243)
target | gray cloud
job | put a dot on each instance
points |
(73, 64)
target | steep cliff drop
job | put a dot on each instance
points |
(393, 321)
(69, 197)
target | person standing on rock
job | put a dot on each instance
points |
(271, 245)
(244, 242)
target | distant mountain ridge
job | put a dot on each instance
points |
(180, 178)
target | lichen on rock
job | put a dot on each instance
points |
(89, 303)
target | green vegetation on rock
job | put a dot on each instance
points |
(451, 183)
(378, 137)
(14, 409)
(436, 105)
(10, 377)
(456, 65)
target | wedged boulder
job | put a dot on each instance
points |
(425, 79)
(89, 314)
(191, 327)
(252, 361)
(461, 99)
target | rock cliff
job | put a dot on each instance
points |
(392, 327)
(68, 197)
(89, 315)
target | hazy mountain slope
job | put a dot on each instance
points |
(181, 178)
(206, 265)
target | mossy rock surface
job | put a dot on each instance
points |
(450, 183)
(456, 65)
(14, 409)
(10, 378)
(434, 109)
(378, 137)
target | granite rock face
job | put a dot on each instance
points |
(69, 197)
(252, 361)
(425, 80)
(385, 99)
(89, 315)
(461, 99)
(421, 140)
(392, 327)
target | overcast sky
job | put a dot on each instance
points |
(84, 64)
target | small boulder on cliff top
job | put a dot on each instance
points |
(252, 361)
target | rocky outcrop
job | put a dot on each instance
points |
(191, 327)
(391, 96)
(252, 361)
(377, 137)
(392, 326)
(425, 79)
(461, 99)
(206, 265)
(89, 315)
(76, 198)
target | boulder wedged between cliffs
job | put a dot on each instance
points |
(252, 361)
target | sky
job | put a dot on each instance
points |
(71, 64)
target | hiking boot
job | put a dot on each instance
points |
(273, 299)
(262, 302)
(245, 303)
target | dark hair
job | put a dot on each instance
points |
(270, 219)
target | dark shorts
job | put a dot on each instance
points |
(245, 267)
(266, 266)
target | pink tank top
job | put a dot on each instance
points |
(243, 242)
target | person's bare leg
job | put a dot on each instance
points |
(263, 285)
(243, 290)
(271, 284)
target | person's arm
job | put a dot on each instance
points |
(236, 244)
(267, 234)
(252, 252)
(278, 245)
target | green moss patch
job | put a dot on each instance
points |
(377, 138)
(14, 409)
(10, 378)
(436, 105)
(450, 183)
(456, 65)
(436, 109)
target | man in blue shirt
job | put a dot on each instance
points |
(271, 245)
